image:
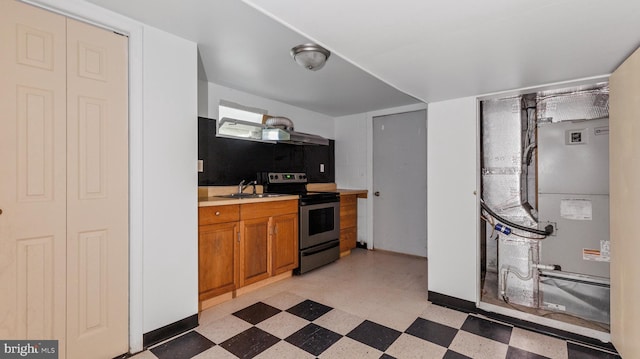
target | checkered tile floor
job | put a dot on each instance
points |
(310, 329)
(371, 304)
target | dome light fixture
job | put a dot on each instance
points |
(310, 56)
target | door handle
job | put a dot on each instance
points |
(376, 193)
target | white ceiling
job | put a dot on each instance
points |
(242, 48)
(430, 50)
(437, 50)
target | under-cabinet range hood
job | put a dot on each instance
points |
(239, 129)
(253, 131)
(293, 137)
(281, 129)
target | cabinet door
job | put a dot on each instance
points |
(254, 250)
(218, 259)
(285, 243)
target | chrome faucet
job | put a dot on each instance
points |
(242, 186)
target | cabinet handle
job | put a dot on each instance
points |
(238, 235)
(217, 213)
(0, 211)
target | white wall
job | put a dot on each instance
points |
(452, 206)
(170, 269)
(351, 151)
(303, 120)
(351, 162)
(203, 98)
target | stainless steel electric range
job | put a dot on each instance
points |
(319, 218)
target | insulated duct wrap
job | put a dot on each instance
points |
(515, 257)
(508, 130)
(504, 173)
(581, 104)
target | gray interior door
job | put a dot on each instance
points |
(400, 183)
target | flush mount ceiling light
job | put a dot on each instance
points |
(310, 56)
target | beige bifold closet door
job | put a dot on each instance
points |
(624, 177)
(63, 183)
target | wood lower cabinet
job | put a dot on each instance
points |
(348, 222)
(284, 243)
(244, 244)
(218, 250)
(254, 249)
(218, 255)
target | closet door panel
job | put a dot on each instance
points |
(32, 173)
(97, 197)
(624, 175)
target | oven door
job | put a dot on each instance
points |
(319, 223)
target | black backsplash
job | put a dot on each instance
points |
(228, 161)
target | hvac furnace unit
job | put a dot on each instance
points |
(545, 199)
(573, 195)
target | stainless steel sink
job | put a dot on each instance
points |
(251, 195)
(268, 195)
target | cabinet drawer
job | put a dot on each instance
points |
(268, 209)
(218, 214)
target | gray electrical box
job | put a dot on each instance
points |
(573, 195)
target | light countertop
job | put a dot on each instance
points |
(208, 196)
(220, 201)
(361, 193)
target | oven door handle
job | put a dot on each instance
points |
(313, 202)
(320, 248)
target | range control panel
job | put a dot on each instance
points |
(285, 177)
